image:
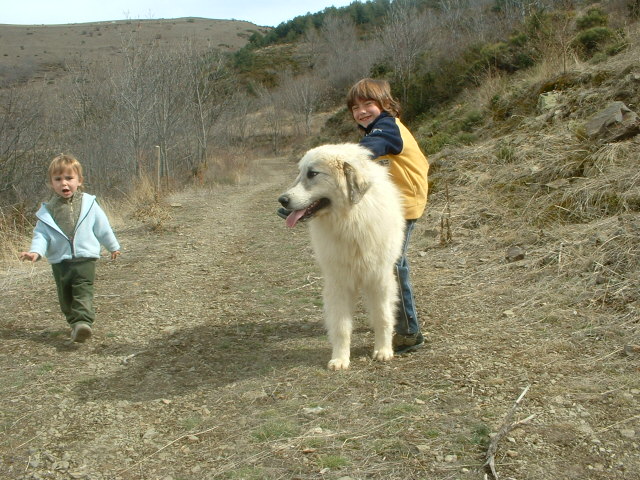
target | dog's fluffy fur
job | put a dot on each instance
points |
(357, 231)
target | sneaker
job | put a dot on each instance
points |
(80, 332)
(283, 212)
(407, 343)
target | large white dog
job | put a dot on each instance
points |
(357, 231)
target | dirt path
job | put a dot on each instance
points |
(208, 361)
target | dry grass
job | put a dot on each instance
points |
(227, 166)
(146, 203)
(15, 228)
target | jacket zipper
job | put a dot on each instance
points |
(80, 220)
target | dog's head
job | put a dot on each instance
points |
(331, 178)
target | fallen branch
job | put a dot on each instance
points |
(186, 435)
(617, 423)
(445, 226)
(308, 284)
(506, 427)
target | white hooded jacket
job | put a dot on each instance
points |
(91, 231)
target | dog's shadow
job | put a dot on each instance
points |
(210, 354)
(186, 359)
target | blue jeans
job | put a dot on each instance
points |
(406, 317)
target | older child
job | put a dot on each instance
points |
(377, 114)
(71, 227)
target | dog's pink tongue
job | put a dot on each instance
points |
(293, 217)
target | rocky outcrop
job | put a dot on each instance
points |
(614, 123)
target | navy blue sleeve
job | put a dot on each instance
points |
(384, 138)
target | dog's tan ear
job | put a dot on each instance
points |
(356, 185)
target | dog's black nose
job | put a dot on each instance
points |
(284, 200)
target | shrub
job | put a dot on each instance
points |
(438, 141)
(473, 119)
(435, 143)
(465, 138)
(499, 107)
(507, 57)
(506, 153)
(616, 48)
(594, 38)
(593, 18)
(518, 40)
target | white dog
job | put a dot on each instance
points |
(357, 232)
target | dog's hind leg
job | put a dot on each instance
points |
(381, 303)
(338, 310)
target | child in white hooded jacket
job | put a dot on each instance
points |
(70, 229)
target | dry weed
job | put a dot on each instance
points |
(227, 167)
(15, 229)
(147, 205)
(601, 183)
(593, 264)
(494, 83)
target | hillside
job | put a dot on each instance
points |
(27, 50)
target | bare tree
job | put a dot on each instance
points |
(80, 96)
(20, 136)
(135, 96)
(273, 103)
(311, 47)
(304, 94)
(88, 131)
(460, 22)
(209, 85)
(405, 38)
(168, 77)
(553, 39)
(344, 58)
(234, 124)
(564, 35)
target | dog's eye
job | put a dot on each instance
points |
(311, 174)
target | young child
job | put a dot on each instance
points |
(71, 227)
(376, 112)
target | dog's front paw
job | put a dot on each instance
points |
(338, 364)
(383, 355)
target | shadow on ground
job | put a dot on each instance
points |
(58, 339)
(211, 355)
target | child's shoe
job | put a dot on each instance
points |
(407, 343)
(80, 332)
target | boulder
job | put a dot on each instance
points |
(614, 123)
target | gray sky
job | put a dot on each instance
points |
(265, 13)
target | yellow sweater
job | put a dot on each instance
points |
(391, 142)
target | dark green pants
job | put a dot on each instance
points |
(75, 289)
